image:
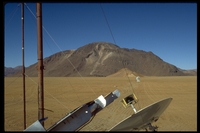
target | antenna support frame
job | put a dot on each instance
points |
(130, 100)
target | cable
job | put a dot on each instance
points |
(12, 81)
(63, 53)
(119, 53)
(13, 14)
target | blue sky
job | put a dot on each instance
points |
(169, 30)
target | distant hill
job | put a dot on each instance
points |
(190, 72)
(101, 59)
(9, 70)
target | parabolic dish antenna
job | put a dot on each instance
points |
(143, 118)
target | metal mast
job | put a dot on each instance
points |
(40, 63)
(23, 68)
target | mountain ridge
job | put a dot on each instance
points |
(101, 59)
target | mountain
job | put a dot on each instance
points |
(9, 70)
(190, 72)
(103, 59)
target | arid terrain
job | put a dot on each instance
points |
(63, 94)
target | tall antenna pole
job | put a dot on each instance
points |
(23, 68)
(40, 63)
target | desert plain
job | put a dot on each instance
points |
(64, 94)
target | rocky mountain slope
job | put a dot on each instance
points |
(103, 59)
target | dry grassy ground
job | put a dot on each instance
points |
(62, 95)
